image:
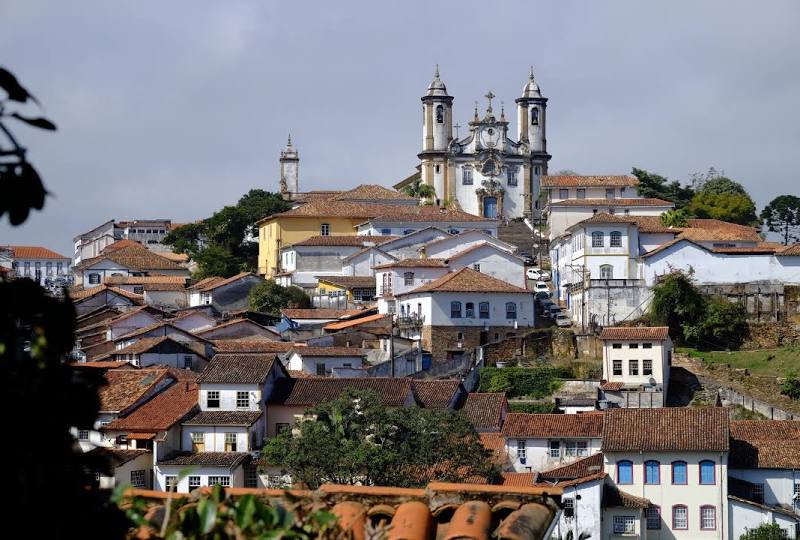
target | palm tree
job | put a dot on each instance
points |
(419, 190)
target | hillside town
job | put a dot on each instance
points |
(481, 286)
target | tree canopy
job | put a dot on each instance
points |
(782, 216)
(355, 439)
(419, 190)
(719, 197)
(269, 297)
(653, 185)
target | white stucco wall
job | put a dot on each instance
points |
(586, 523)
(537, 452)
(494, 262)
(237, 476)
(658, 354)
(744, 517)
(778, 484)
(435, 307)
(308, 364)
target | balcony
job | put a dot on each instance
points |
(616, 283)
(411, 321)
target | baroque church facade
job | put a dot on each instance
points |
(487, 173)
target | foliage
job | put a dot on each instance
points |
(419, 190)
(782, 215)
(269, 297)
(656, 186)
(49, 397)
(781, 362)
(791, 387)
(676, 218)
(715, 182)
(536, 408)
(221, 245)
(765, 531)
(219, 516)
(535, 382)
(723, 325)
(676, 302)
(719, 197)
(355, 439)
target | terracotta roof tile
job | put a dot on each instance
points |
(382, 212)
(377, 318)
(653, 224)
(216, 283)
(436, 393)
(93, 291)
(496, 444)
(604, 217)
(33, 252)
(329, 351)
(577, 469)
(142, 280)
(790, 251)
(166, 409)
(350, 282)
(237, 368)
(235, 322)
(135, 257)
(103, 365)
(678, 429)
(119, 244)
(370, 192)
(251, 345)
(223, 418)
(517, 478)
(765, 444)
(209, 459)
(656, 333)
(126, 386)
(616, 498)
(351, 240)
(414, 263)
(589, 181)
(311, 391)
(468, 280)
(485, 409)
(611, 386)
(323, 313)
(602, 203)
(543, 426)
(119, 456)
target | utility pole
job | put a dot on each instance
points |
(391, 346)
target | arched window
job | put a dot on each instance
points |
(652, 472)
(624, 472)
(439, 114)
(483, 310)
(534, 116)
(606, 271)
(511, 310)
(616, 239)
(679, 473)
(325, 229)
(597, 239)
(707, 472)
(469, 310)
(455, 310)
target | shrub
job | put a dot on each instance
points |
(537, 382)
(791, 387)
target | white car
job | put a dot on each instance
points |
(562, 319)
(541, 286)
(537, 274)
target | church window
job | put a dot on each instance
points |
(440, 114)
(488, 167)
(466, 176)
(534, 116)
(537, 170)
(325, 229)
(437, 168)
(512, 176)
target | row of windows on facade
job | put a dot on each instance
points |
(580, 193)
(325, 230)
(199, 442)
(555, 449)
(598, 240)
(146, 231)
(511, 175)
(680, 519)
(679, 476)
(26, 267)
(633, 367)
(213, 399)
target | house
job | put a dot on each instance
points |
(42, 265)
(450, 245)
(410, 244)
(363, 262)
(298, 323)
(157, 329)
(130, 260)
(684, 449)
(224, 294)
(492, 260)
(398, 277)
(461, 310)
(343, 291)
(236, 329)
(146, 232)
(163, 350)
(536, 442)
(162, 291)
(636, 365)
(391, 221)
(91, 299)
(763, 481)
(439, 393)
(487, 411)
(131, 321)
(193, 320)
(323, 361)
(129, 466)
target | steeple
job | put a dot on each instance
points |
(290, 170)
(531, 89)
(437, 87)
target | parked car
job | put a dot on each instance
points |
(541, 286)
(541, 296)
(562, 320)
(546, 308)
(537, 273)
(554, 311)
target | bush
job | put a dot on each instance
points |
(537, 382)
(538, 408)
(791, 387)
(724, 325)
(269, 297)
(767, 531)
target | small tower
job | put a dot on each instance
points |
(290, 174)
(531, 107)
(437, 132)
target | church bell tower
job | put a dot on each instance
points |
(290, 165)
(531, 120)
(437, 132)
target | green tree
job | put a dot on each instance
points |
(765, 531)
(782, 215)
(723, 325)
(269, 297)
(419, 190)
(215, 260)
(719, 197)
(355, 439)
(653, 185)
(791, 387)
(677, 303)
(675, 218)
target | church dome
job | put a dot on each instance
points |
(531, 89)
(437, 87)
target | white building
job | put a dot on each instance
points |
(224, 294)
(322, 361)
(676, 460)
(128, 260)
(44, 266)
(636, 365)
(148, 232)
(537, 442)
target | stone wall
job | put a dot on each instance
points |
(443, 341)
(765, 302)
(770, 335)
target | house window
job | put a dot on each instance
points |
(188, 361)
(59, 268)
(617, 367)
(647, 345)
(624, 524)
(581, 193)
(137, 478)
(633, 367)
(609, 193)
(386, 232)
(455, 310)
(653, 515)
(407, 231)
(466, 176)
(250, 476)
(616, 346)
(325, 229)
(321, 369)
(512, 176)
(94, 279)
(470, 310)
(624, 472)
(387, 284)
(796, 497)
(633, 346)
(534, 116)
(280, 427)
(476, 267)
(230, 442)
(576, 448)
(563, 193)
(408, 278)
(707, 472)
(224, 481)
(652, 472)
(616, 239)
(758, 493)
(242, 400)
(198, 442)
(49, 266)
(679, 476)
(708, 518)
(606, 271)
(647, 367)
(194, 482)
(511, 310)
(212, 399)
(568, 506)
(483, 310)
(521, 450)
(597, 239)
(170, 483)
(555, 449)
(439, 114)
(138, 289)
(680, 517)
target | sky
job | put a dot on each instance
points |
(175, 109)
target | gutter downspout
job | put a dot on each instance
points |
(721, 498)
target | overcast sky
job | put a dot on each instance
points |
(174, 109)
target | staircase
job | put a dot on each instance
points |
(520, 235)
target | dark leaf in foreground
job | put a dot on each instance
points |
(42, 123)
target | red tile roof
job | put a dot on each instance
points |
(436, 393)
(162, 412)
(765, 444)
(119, 456)
(251, 345)
(577, 469)
(237, 368)
(351, 240)
(142, 280)
(678, 429)
(544, 426)
(616, 498)
(216, 283)
(517, 479)
(656, 333)
(223, 418)
(468, 280)
(311, 391)
(485, 409)
(33, 252)
(382, 212)
(136, 257)
(611, 386)
(496, 444)
(126, 386)
(349, 282)
(88, 293)
(790, 251)
(323, 313)
(336, 326)
(119, 244)
(414, 263)
(329, 351)
(602, 203)
(572, 180)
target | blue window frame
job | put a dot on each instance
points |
(679, 472)
(707, 472)
(455, 310)
(652, 472)
(624, 472)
